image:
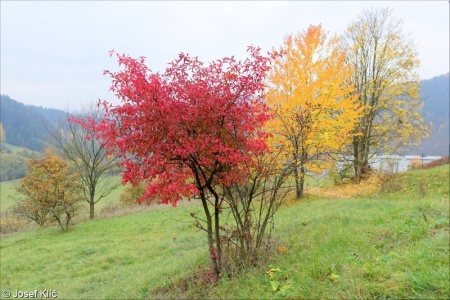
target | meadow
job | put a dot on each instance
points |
(7, 195)
(393, 243)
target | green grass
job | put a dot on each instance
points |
(392, 245)
(7, 195)
(107, 258)
(381, 249)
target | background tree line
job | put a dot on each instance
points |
(13, 163)
(23, 125)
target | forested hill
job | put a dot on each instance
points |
(435, 93)
(23, 125)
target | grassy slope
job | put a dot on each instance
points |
(12, 148)
(389, 246)
(104, 258)
(6, 187)
(6, 195)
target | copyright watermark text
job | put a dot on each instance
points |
(38, 294)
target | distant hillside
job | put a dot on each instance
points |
(13, 161)
(24, 124)
(435, 93)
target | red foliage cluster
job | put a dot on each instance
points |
(187, 129)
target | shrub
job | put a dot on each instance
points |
(391, 183)
(342, 175)
(415, 164)
(10, 223)
(131, 194)
(52, 192)
(109, 208)
(436, 163)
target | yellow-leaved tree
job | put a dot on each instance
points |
(384, 63)
(52, 190)
(313, 101)
(2, 133)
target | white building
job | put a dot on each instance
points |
(395, 163)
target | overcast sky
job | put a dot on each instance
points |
(53, 53)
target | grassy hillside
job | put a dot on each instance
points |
(6, 195)
(10, 147)
(390, 245)
(24, 124)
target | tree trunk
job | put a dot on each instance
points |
(357, 172)
(298, 189)
(209, 230)
(300, 176)
(217, 233)
(298, 181)
(91, 210)
(92, 199)
(58, 218)
(69, 217)
(357, 158)
(361, 167)
(301, 186)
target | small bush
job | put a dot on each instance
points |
(341, 178)
(342, 175)
(391, 183)
(10, 223)
(109, 208)
(131, 194)
(415, 164)
(436, 163)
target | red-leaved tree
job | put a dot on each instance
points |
(191, 131)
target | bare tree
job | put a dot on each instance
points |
(89, 157)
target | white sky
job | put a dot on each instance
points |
(53, 53)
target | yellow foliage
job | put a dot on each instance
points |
(415, 163)
(312, 98)
(366, 187)
(131, 194)
(334, 277)
(2, 133)
(282, 249)
(384, 64)
(53, 191)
